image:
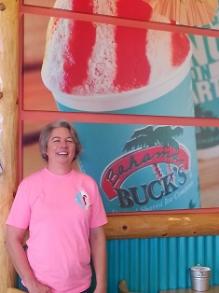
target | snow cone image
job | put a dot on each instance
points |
(98, 67)
(205, 81)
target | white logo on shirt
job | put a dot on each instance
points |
(82, 198)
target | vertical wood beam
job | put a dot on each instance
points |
(8, 125)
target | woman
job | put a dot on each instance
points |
(63, 212)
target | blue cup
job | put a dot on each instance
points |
(144, 167)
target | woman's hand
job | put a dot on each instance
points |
(37, 287)
(98, 250)
(14, 243)
(100, 290)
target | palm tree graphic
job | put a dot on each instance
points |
(150, 136)
(203, 133)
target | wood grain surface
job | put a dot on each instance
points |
(8, 128)
(170, 224)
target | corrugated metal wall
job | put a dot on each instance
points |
(150, 265)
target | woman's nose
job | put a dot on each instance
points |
(63, 143)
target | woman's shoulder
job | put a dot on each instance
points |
(33, 177)
(83, 176)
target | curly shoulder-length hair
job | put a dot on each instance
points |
(46, 132)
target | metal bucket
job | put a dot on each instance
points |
(200, 277)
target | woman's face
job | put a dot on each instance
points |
(61, 147)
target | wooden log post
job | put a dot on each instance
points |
(8, 126)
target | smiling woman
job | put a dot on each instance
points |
(50, 204)
(59, 146)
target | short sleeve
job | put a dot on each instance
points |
(98, 215)
(19, 214)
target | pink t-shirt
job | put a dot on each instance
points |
(59, 210)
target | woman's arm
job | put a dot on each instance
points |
(14, 244)
(98, 252)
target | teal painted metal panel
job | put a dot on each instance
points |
(151, 265)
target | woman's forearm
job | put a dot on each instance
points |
(98, 251)
(14, 244)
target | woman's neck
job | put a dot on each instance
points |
(60, 169)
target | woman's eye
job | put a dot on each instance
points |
(56, 140)
(70, 140)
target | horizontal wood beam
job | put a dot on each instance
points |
(162, 225)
